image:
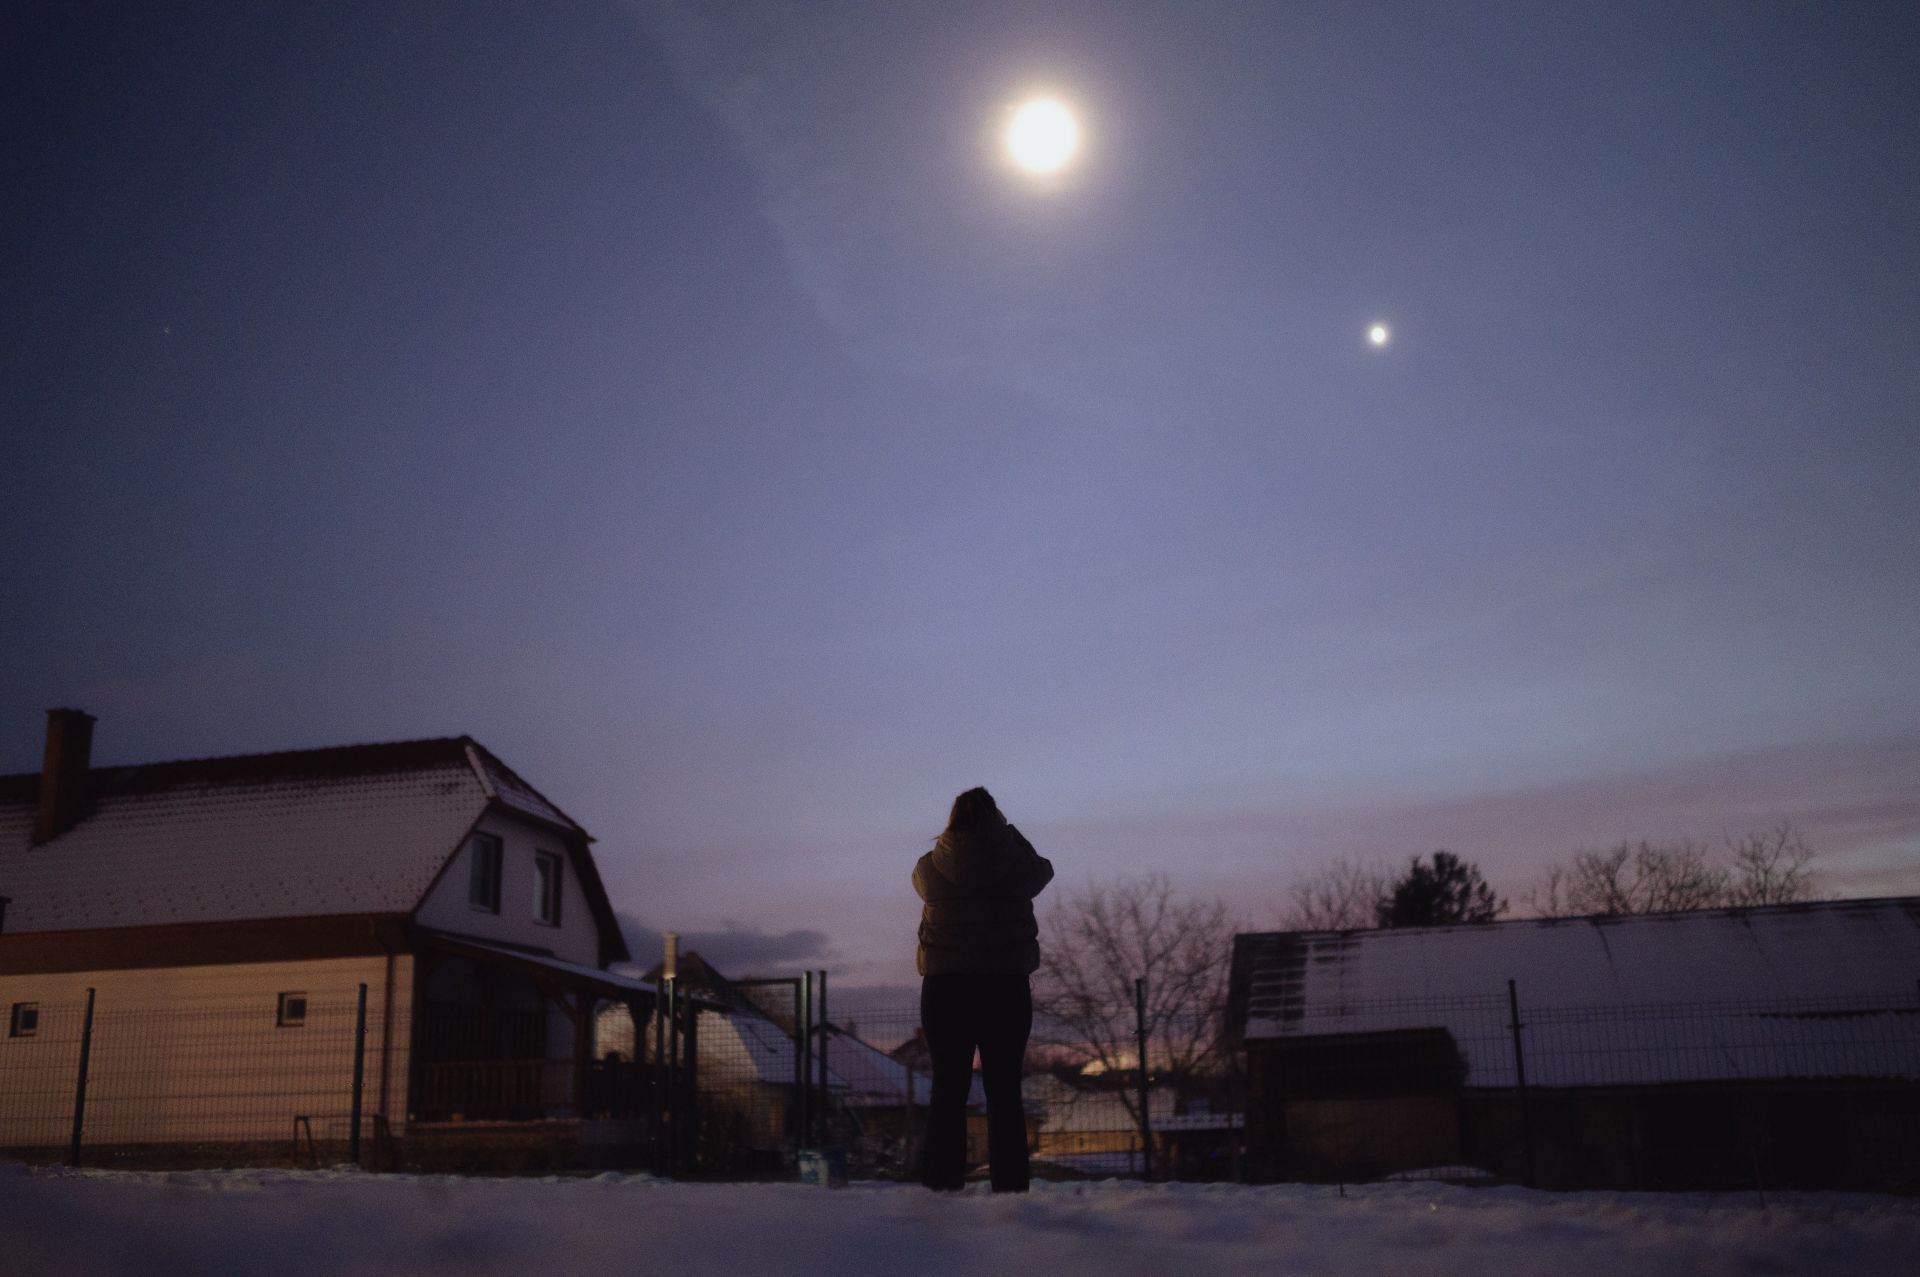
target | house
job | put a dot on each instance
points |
(1700, 1049)
(250, 949)
(753, 1080)
(1085, 1122)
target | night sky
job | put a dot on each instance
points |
(692, 403)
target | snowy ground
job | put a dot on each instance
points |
(290, 1224)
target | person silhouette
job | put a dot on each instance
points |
(978, 945)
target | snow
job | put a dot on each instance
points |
(291, 1224)
(504, 784)
(355, 829)
(271, 847)
(738, 1046)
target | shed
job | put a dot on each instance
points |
(1700, 1047)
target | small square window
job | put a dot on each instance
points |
(547, 868)
(293, 1010)
(25, 1021)
(483, 882)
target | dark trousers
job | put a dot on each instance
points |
(995, 1014)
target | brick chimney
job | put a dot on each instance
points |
(65, 797)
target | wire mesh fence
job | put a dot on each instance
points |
(862, 1082)
(39, 1071)
(737, 1082)
(1806, 1092)
(220, 1080)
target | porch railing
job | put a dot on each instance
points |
(524, 1090)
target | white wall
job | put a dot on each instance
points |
(446, 908)
(190, 1054)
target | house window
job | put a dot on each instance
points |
(546, 887)
(483, 888)
(293, 1010)
(26, 1020)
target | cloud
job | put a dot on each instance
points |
(734, 950)
(753, 67)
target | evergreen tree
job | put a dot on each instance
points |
(1440, 894)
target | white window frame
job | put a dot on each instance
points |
(549, 880)
(488, 854)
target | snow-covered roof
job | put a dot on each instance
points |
(740, 1046)
(355, 829)
(865, 1076)
(1810, 990)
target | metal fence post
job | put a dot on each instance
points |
(1520, 1077)
(672, 1076)
(826, 1132)
(799, 1107)
(80, 1083)
(690, 1085)
(359, 1076)
(657, 1079)
(803, 1045)
(1140, 1037)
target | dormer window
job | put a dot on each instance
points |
(483, 883)
(547, 869)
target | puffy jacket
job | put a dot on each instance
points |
(979, 886)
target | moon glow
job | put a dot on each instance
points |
(1379, 335)
(1043, 137)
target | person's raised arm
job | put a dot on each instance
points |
(1037, 872)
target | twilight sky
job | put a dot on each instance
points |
(690, 402)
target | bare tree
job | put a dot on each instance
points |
(1771, 868)
(1096, 943)
(1650, 877)
(1643, 877)
(1339, 896)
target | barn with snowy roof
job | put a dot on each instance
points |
(205, 950)
(1702, 1048)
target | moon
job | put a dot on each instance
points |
(1379, 335)
(1043, 136)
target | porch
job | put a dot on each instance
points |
(502, 1035)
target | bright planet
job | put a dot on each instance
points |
(1379, 335)
(1043, 136)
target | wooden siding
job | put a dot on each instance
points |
(197, 1054)
(446, 907)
